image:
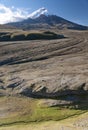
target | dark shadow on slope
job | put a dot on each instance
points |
(12, 61)
(77, 98)
(48, 35)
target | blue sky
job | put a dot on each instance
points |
(73, 10)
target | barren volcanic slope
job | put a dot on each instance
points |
(47, 22)
(50, 72)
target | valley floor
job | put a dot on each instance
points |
(44, 83)
(50, 125)
(23, 113)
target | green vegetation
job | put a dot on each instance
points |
(53, 113)
(19, 36)
(5, 37)
(25, 110)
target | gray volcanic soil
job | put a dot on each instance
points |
(53, 69)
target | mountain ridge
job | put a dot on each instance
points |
(47, 22)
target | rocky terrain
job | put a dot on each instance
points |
(49, 68)
(52, 70)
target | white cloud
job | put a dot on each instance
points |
(12, 14)
(38, 13)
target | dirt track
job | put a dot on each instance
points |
(50, 65)
(54, 64)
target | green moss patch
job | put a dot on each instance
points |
(24, 110)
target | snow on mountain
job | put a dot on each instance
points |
(12, 14)
(38, 12)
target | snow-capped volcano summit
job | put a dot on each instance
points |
(12, 14)
(41, 19)
(38, 12)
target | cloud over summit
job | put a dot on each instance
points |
(12, 14)
(38, 12)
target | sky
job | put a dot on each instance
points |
(16, 10)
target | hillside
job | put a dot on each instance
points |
(44, 80)
(47, 22)
(43, 65)
(61, 54)
(13, 34)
